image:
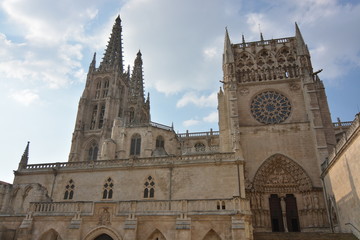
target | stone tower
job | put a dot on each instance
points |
(109, 94)
(273, 112)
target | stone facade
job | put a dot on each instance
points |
(341, 181)
(130, 178)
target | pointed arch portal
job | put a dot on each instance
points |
(280, 173)
(212, 235)
(103, 237)
(157, 235)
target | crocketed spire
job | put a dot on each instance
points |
(113, 58)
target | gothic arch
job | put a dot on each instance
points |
(50, 235)
(156, 235)
(212, 235)
(91, 144)
(102, 230)
(279, 173)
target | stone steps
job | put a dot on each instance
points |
(303, 236)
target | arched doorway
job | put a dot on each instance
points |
(277, 184)
(50, 235)
(211, 235)
(103, 237)
(157, 235)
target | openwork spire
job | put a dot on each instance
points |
(24, 158)
(137, 81)
(113, 58)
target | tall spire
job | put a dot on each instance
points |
(24, 158)
(113, 54)
(137, 81)
(228, 55)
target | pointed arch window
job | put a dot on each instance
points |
(108, 189)
(105, 88)
(135, 145)
(93, 117)
(131, 115)
(149, 188)
(101, 117)
(69, 190)
(93, 152)
(160, 142)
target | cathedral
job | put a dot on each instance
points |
(128, 178)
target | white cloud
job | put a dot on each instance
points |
(191, 122)
(199, 101)
(213, 117)
(25, 97)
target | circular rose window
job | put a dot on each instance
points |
(270, 107)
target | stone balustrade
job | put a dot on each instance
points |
(146, 207)
(210, 155)
(61, 208)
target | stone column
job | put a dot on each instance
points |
(283, 212)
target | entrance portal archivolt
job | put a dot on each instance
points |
(157, 235)
(103, 233)
(281, 174)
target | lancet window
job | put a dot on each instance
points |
(135, 145)
(93, 151)
(160, 142)
(149, 188)
(101, 117)
(108, 189)
(69, 190)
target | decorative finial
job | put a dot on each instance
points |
(243, 39)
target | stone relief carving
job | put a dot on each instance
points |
(104, 217)
(270, 172)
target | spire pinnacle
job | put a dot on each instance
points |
(113, 58)
(243, 39)
(261, 37)
(301, 46)
(24, 157)
(228, 56)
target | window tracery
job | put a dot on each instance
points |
(69, 190)
(108, 189)
(199, 147)
(149, 188)
(93, 151)
(270, 107)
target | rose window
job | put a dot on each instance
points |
(270, 107)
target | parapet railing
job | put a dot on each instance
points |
(146, 207)
(265, 42)
(61, 207)
(348, 134)
(204, 158)
(342, 124)
(198, 134)
(162, 126)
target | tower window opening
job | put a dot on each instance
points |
(93, 117)
(135, 145)
(160, 142)
(101, 117)
(93, 152)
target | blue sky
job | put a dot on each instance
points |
(46, 48)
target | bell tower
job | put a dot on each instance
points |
(110, 93)
(273, 113)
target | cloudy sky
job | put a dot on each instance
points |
(46, 47)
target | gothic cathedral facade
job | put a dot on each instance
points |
(130, 178)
